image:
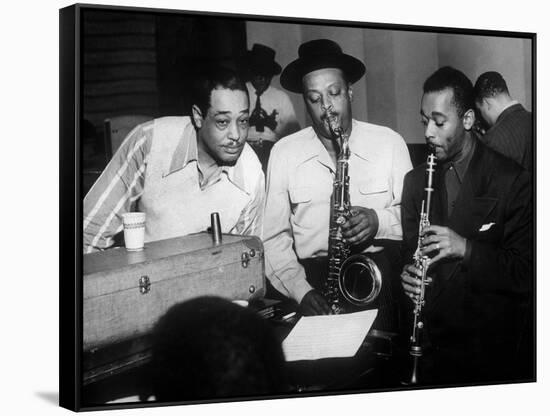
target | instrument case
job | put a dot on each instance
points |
(124, 293)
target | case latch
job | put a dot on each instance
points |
(245, 259)
(144, 285)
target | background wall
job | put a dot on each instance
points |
(398, 62)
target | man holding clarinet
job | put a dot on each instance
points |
(479, 281)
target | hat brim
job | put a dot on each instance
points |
(293, 74)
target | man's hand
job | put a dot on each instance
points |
(444, 242)
(411, 281)
(313, 303)
(361, 226)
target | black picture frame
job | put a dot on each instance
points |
(71, 169)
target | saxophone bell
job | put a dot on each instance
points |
(360, 280)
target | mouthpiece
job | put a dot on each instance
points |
(335, 127)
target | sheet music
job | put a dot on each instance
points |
(328, 336)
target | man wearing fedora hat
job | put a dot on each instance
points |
(301, 174)
(272, 114)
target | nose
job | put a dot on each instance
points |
(429, 130)
(326, 106)
(233, 132)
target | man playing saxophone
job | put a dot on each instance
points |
(479, 244)
(301, 174)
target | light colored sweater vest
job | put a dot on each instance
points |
(174, 202)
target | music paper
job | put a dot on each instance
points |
(328, 336)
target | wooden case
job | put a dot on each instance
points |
(124, 293)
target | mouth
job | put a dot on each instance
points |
(433, 147)
(233, 150)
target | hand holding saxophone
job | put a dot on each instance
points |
(361, 226)
(314, 303)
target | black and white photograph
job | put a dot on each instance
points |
(280, 208)
(276, 209)
(268, 211)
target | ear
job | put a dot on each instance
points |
(197, 116)
(350, 93)
(468, 119)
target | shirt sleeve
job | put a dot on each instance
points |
(251, 218)
(116, 191)
(281, 263)
(389, 218)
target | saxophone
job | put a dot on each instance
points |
(421, 262)
(352, 279)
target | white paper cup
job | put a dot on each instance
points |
(134, 230)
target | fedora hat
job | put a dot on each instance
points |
(319, 54)
(261, 60)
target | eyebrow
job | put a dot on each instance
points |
(217, 113)
(433, 113)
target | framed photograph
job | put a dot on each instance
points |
(265, 207)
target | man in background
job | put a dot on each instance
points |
(272, 113)
(511, 125)
(178, 170)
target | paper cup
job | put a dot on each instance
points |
(134, 230)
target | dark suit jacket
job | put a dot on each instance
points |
(512, 135)
(476, 309)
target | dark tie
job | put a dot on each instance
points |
(452, 184)
(258, 115)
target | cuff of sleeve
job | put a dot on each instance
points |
(300, 289)
(384, 224)
(467, 255)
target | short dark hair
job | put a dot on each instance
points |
(490, 84)
(217, 77)
(209, 347)
(450, 78)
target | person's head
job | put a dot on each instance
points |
(323, 74)
(220, 114)
(260, 66)
(491, 95)
(447, 111)
(209, 347)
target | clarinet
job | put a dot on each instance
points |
(421, 263)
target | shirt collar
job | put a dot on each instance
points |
(461, 165)
(317, 150)
(252, 90)
(187, 152)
